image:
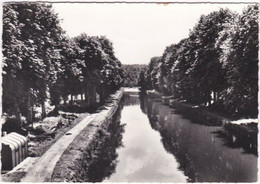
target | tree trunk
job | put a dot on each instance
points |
(17, 113)
(215, 96)
(209, 99)
(91, 96)
(87, 98)
(43, 110)
(71, 99)
(94, 95)
(64, 100)
(101, 94)
(29, 107)
(81, 96)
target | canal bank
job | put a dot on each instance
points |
(148, 141)
(246, 127)
(244, 130)
(41, 169)
(73, 164)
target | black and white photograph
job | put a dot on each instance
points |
(129, 91)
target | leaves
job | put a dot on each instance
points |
(219, 58)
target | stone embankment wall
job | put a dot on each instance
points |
(247, 131)
(245, 134)
(73, 164)
(199, 115)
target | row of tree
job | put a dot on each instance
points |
(132, 73)
(217, 65)
(40, 62)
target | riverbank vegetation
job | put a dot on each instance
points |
(215, 67)
(45, 69)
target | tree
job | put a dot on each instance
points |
(217, 63)
(132, 73)
(240, 61)
(151, 75)
(12, 48)
(102, 71)
(207, 70)
(112, 72)
(69, 73)
(168, 59)
(38, 34)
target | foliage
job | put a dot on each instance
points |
(217, 65)
(41, 63)
(132, 73)
(240, 63)
(30, 38)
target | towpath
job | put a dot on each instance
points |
(43, 168)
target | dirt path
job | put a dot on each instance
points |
(43, 168)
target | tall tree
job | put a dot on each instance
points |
(12, 50)
(207, 70)
(240, 61)
(39, 35)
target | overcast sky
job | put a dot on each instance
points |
(138, 31)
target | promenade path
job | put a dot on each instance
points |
(43, 168)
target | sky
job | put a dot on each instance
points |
(138, 31)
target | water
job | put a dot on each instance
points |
(159, 145)
(143, 157)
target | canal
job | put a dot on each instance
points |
(151, 142)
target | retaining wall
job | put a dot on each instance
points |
(73, 164)
(199, 115)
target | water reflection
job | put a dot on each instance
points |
(105, 160)
(203, 152)
(143, 158)
(131, 98)
(234, 136)
(143, 102)
(155, 144)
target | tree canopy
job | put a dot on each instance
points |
(217, 65)
(132, 73)
(40, 62)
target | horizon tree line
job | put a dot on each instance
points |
(132, 72)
